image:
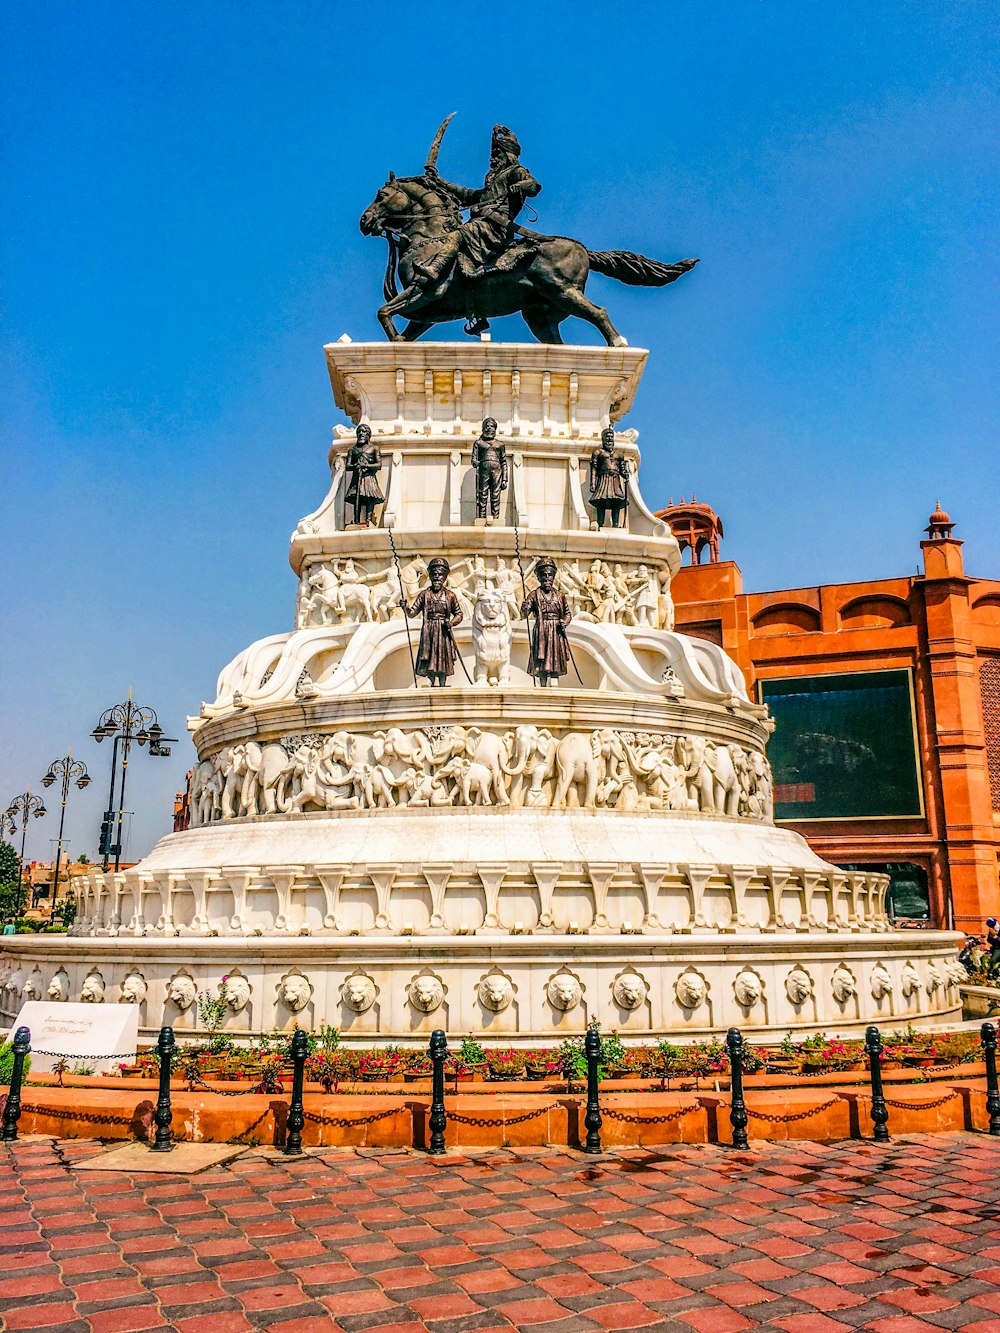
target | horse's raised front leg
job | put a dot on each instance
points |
(397, 306)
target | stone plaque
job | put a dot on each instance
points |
(83, 1032)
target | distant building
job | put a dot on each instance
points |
(37, 878)
(886, 696)
(182, 804)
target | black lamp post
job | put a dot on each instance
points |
(68, 770)
(25, 806)
(126, 722)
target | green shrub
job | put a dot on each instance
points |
(471, 1053)
(7, 1063)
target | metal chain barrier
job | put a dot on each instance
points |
(482, 1121)
(346, 1122)
(86, 1059)
(916, 1106)
(791, 1119)
(664, 1119)
(68, 1113)
(232, 1092)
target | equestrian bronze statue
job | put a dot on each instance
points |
(489, 265)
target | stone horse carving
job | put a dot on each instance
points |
(419, 217)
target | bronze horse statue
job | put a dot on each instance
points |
(418, 214)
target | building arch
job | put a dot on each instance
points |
(786, 618)
(875, 612)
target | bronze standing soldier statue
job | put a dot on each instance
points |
(364, 462)
(489, 462)
(609, 480)
(440, 610)
(547, 612)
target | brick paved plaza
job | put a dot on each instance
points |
(804, 1237)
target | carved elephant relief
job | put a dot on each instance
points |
(266, 770)
(710, 775)
(576, 766)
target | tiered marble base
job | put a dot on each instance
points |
(490, 857)
(516, 925)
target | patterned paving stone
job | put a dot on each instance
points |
(801, 1237)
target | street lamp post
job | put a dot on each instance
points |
(68, 770)
(25, 805)
(126, 722)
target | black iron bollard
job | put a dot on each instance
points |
(165, 1047)
(438, 1054)
(880, 1112)
(738, 1108)
(989, 1035)
(592, 1120)
(12, 1110)
(296, 1114)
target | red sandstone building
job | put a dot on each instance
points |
(886, 696)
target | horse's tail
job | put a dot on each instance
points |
(389, 288)
(637, 270)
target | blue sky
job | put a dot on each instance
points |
(181, 190)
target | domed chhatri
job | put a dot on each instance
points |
(939, 525)
(392, 852)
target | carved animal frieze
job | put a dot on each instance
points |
(910, 981)
(881, 982)
(348, 591)
(531, 766)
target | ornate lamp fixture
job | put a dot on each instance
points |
(68, 770)
(126, 722)
(27, 806)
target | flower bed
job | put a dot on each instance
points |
(334, 1068)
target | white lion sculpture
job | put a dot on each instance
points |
(237, 993)
(295, 992)
(92, 991)
(629, 990)
(495, 992)
(690, 989)
(359, 992)
(133, 989)
(564, 992)
(59, 987)
(426, 993)
(181, 991)
(491, 638)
